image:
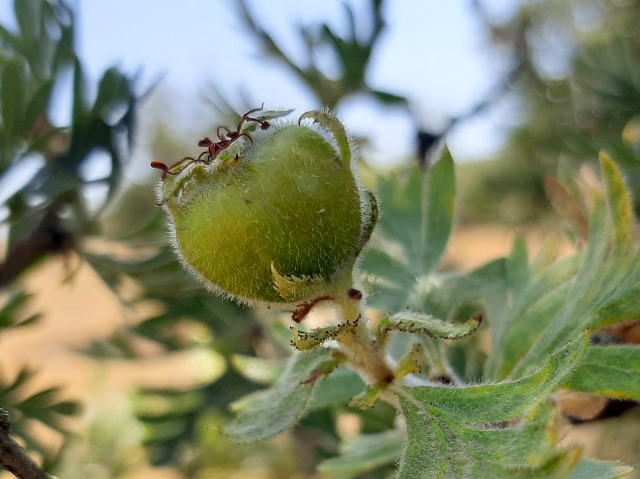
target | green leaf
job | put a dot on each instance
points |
(485, 403)
(414, 228)
(80, 110)
(382, 266)
(39, 401)
(268, 412)
(389, 98)
(365, 453)
(337, 389)
(66, 408)
(611, 371)
(113, 94)
(159, 404)
(37, 105)
(12, 313)
(620, 209)
(439, 200)
(624, 306)
(487, 283)
(43, 406)
(28, 14)
(10, 39)
(600, 292)
(486, 431)
(13, 96)
(439, 445)
(559, 303)
(419, 323)
(335, 128)
(9, 392)
(592, 468)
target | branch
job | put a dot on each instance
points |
(48, 237)
(12, 456)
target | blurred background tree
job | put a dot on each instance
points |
(46, 171)
(576, 84)
(574, 76)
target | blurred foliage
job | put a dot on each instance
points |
(576, 83)
(351, 53)
(49, 212)
(27, 407)
(62, 209)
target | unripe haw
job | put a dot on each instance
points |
(270, 213)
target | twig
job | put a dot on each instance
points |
(48, 237)
(12, 456)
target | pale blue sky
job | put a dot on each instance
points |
(434, 52)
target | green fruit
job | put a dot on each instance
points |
(276, 217)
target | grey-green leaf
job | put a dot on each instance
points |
(472, 431)
(439, 199)
(486, 403)
(592, 468)
(610, 371)
(419, 323)
(414, 227)
(337, 389)
(278, 408)
(441, 445)
(365, 453)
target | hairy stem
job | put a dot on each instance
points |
(363, 353)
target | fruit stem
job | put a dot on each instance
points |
(363, 352)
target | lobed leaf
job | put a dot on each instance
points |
(581, 298)
(485, 403)
(44, 406)
(594, 288)
(486, 431)
(440, 445)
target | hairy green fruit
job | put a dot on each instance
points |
(271, 214)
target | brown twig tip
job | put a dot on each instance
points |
(355, 294)
(12, 456)
(303, 310)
